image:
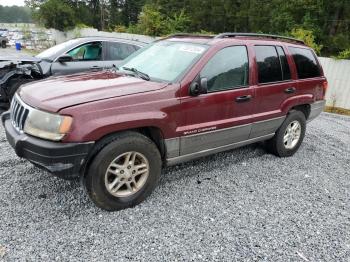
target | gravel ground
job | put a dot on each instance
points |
(240, 205)
(12, 52)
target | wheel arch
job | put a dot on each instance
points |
(155, 134)
(300, 103)
(304, 108)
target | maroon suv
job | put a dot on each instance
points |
(178, 99)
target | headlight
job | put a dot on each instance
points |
(46, 125)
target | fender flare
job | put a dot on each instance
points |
(288, 104)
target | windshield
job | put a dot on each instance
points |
(57, 49)
(164, 60)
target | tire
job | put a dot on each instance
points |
(103, 172)
(278, 145)
(3, 44)
(9, 89)
(14, 83)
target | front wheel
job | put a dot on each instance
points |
(124, 172)
(3, 44)
(289, 136)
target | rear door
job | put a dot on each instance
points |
(86, 57)
(223, 115)
(274, 86)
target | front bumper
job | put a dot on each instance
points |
(316, 109)
(63, 160)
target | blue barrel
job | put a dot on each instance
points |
(18, 46)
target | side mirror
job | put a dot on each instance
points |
(199, 86)
(204, 85)
(194, 89)
(65, 58)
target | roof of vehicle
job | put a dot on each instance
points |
(110, 38)
(213, 39)
(72, 43)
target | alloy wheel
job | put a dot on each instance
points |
(127, 174)
(292, 135)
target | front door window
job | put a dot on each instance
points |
(228, 69)
(87, 52)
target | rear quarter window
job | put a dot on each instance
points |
(306, 63)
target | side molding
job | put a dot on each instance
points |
(316, 109)
(172, 147)
(189, 157)
(266, 127)
(203, 141)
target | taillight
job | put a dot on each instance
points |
(325, 87)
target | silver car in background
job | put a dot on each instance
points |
(74, 56)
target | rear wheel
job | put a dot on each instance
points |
(3, 44)
(124, 172)
(289, 136)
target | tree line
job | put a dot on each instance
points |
(15, 14)
(323, 24)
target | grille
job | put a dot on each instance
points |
(19, 113)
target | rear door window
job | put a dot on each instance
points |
(306, 63)
(120, 51)
(269, 65)
(284, 63)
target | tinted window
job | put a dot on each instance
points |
(305, 62)
(269, 67)
(227, 69)
(284, 63)
(120, 51)
(89, 51)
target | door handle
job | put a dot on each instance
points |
(96, 67)
(290, 90)
(243, 98)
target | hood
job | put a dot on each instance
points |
(56, 93)
(18, 59)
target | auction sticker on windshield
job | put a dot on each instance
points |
(192, 49)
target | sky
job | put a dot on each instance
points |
(12, 2)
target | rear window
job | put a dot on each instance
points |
(305, 62)
(269, 66)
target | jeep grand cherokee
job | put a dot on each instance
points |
(180, 98)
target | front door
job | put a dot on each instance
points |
(85, 57)
(223, 115)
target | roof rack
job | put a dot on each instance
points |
(189, 35)
(224, 35)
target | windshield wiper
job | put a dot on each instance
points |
(142, 75)
(114, 68)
